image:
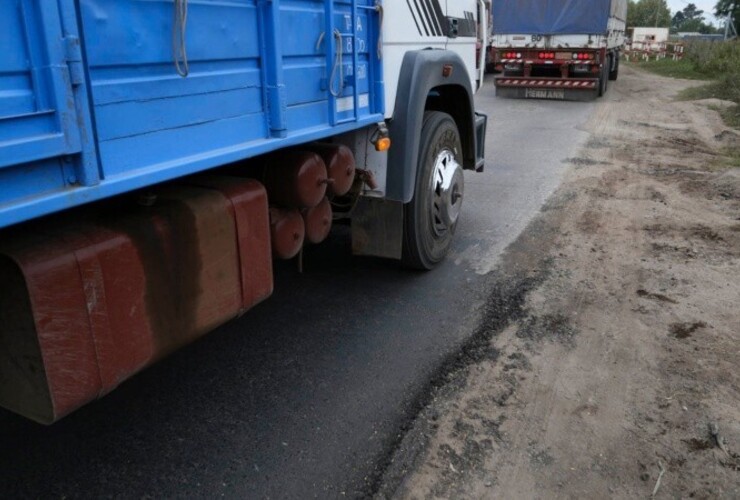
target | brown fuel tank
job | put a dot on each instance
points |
(85, 304)
(340, 165)
(288, 232)
(296, 179)
(318, 221)
(248, 205)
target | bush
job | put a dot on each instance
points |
(718, 60)
(714, 57)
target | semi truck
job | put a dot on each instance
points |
(557, 49)
(158, 156)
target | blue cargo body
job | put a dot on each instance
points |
(91, 104)
(555, 17)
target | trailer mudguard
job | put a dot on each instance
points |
(426, 77)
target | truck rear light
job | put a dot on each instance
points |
(547, 55)
(512, 55)
(583, 56)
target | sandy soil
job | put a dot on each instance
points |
(608, 360)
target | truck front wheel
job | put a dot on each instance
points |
(430, 219)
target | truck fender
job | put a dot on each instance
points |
(423, 71)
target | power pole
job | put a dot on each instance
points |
(730, 31)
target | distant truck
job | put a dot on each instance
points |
(557, 49)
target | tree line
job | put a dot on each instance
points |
(690, 19)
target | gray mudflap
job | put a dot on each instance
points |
(551, 94)
(377, 228)
(481, 124)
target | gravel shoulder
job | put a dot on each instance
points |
(606, 360)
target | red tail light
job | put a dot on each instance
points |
(582, 56)
(547, 55)
(511, 55)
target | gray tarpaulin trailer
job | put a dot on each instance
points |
(557, 49)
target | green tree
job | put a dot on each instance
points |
(731, 7)
(691, 12)
(649, 13)
(691, 19)
(696, 26)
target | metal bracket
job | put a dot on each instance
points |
(73, 58)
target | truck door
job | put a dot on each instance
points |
(37, 108)
(462, 21)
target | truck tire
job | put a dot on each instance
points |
(614, 72)
(430, 218)
(604, 78)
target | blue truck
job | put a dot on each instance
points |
(156, 157)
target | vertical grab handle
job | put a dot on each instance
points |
(483, 27)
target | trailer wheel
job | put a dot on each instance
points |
(604, 78)
(614, 72)
(430, 219)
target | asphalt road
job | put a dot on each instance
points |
(304, 396)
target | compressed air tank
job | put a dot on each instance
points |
(340, 165)
(288, 232)
(318, 221)
(295, 179)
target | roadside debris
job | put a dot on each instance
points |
(628, 340)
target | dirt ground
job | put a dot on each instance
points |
(608, 360)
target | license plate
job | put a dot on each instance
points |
(544, 94)
(563, 55)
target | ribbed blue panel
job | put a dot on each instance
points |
(36, 110)
(259, 79)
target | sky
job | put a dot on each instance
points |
(706, 5)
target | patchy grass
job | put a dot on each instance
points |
(716, 90)
(675, 69)
(732, 157)
(717, 61)
(731, 116)
(711, 90)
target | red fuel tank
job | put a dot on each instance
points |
(85, 305)
(288, 232)
(318, 221)
(340, 165)
(295, 179)
(247, 199)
